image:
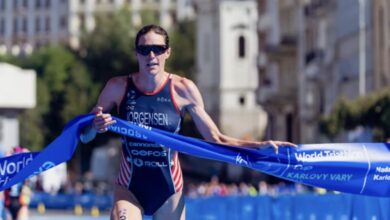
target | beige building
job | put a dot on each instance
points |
(226, 63)
(381, 43)
(226, 55)
(29, 24)
(17, 92)
(277, 67)
(314, 52)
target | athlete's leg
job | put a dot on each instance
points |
(23, 213)
(173, 208)
(126, 206)
(14, 207)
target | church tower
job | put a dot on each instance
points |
(227, 51)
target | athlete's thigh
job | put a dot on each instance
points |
(23, 213)
(173, 208)
(126, 206)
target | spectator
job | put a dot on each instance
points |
(17, 198)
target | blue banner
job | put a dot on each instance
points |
(359, 168)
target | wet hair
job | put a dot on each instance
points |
(156, 29)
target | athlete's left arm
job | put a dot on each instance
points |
(208, 129)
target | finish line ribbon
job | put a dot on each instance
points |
(358, 168)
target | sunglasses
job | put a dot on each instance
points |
(146, 49)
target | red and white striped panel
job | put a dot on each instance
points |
(123, 178)
(177, 174)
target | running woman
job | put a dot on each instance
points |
(150, 180)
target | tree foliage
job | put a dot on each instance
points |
(370, 111)
(64, 90)
(109, 49)
(182, 60)
(148, 17)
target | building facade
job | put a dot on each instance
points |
(381, 43)
(277, 67)
(226, 65)
(17, 92)
(314, 52)
(29, 24)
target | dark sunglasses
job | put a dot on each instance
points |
(146, 49)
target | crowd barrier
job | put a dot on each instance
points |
(298, 207)
(294, 207)
(69, 201)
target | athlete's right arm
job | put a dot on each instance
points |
(110, 97)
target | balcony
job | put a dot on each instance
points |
(287, 47)
(270, 95)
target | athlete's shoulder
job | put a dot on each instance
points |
(187, 91)
(112, 92)
(183, 84)
(117, 81)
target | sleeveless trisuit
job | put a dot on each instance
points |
(150, 171)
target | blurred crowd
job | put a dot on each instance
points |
(89, 185)
(71, 186)
(263, 188)
(14, 201)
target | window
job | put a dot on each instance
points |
(2, 4)
(2, 26)
(206, 48)
(82, 22)
(15, 26)
(242, 100)
(47, 24)
(37, 4)
(271, 128)
(63, 22)
(289, 127)
(24, 25)
(241, 47)
(37, 25)
(15, 4)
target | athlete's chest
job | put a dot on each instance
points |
(157, 110)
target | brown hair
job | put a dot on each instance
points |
(156, 29)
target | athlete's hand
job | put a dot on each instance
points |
(275, 145)
(102, 120)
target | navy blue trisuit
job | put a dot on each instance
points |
(150, 171)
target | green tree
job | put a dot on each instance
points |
(370, 111)
(33, 129)
(109, 49)
(182, 60)
(64, 90)
(149, 17)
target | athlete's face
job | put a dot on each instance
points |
(152, 53)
